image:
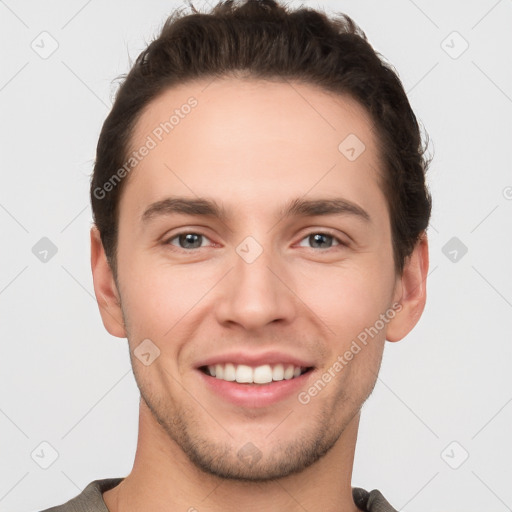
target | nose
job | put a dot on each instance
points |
(255, 294)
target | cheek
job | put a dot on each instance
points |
(158, 295)
(347, 298)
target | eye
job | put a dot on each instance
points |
(191, 240)
(319, 240)
(187, 240)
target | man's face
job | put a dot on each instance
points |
(255, 287)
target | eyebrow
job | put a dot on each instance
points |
(210, 208)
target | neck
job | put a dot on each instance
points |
(163, 479)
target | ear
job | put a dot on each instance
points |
(410, 292)
(105, 288)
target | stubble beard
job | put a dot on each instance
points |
(245, 461)
(226, 460)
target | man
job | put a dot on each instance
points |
(260, 211)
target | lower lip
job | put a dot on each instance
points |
(255, 395)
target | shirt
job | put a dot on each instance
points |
(91, 499)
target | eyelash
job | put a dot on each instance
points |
(339, 243)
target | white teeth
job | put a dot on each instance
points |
(288, 373)
(230, 372)
(243, 373)
(278, 372)
(263, 374)
(259, 375)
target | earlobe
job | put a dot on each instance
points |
(105, 288)
(411, 292)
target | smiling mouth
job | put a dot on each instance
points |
(264, 374)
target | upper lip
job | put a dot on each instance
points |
(253, 359)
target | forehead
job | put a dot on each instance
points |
(244, 138)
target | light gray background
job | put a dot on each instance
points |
(66, 382)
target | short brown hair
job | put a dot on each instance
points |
(265, 40)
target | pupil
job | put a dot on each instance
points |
(319, 238)
(190, 240)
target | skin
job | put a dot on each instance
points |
(252, 146)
